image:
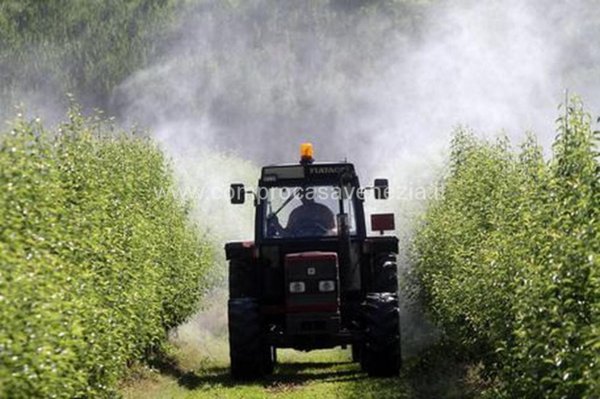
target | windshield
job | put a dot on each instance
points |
(308, 211)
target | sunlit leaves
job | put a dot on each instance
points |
(94, 265)
(509, 259)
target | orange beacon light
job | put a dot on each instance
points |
(306, 153)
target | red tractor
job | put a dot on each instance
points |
(312, 279)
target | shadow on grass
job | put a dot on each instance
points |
(296, 373)
(440, 373)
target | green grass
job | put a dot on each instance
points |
(318, 374)
(197, 366)
(323, 374)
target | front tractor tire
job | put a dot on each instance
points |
(247, 349)
(381, 355)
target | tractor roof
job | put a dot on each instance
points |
(322, 172)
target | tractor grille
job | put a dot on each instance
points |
(312, 293)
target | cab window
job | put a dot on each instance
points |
(307, 211)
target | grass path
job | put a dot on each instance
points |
(200, 369)
(318, 374)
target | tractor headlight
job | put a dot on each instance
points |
(297, 287)
(327, 286)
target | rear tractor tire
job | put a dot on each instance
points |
(386, 274)
(250, 357)
(381, 355)
(355, 353)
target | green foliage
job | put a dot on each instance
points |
(270, 58)
(509, 260)
(95, 267)
(82, 47)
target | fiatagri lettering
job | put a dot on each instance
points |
(329, 170)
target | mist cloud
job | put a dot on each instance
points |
(373, 87)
